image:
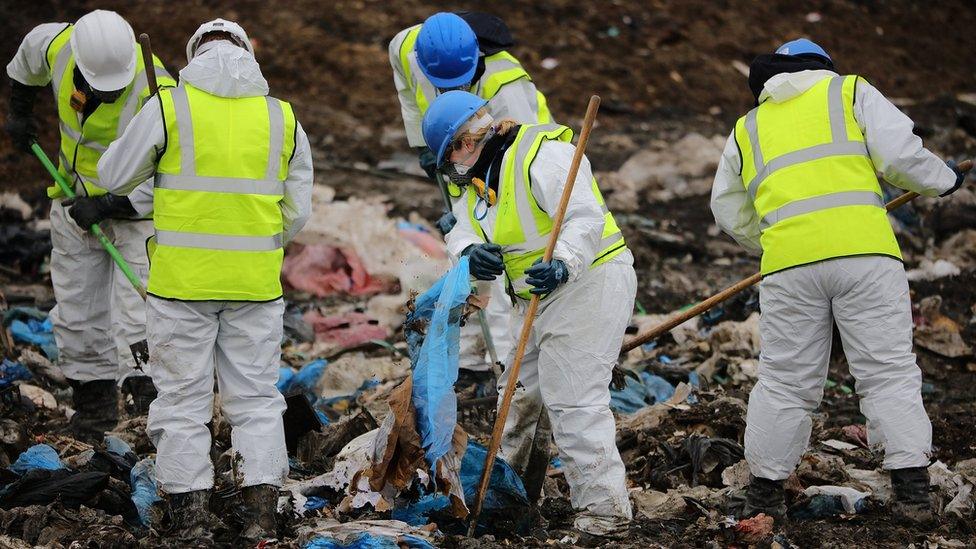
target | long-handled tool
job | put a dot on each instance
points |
(95, 229)
(496, 365)
(513, 374)
(150, 66)
(682, 316)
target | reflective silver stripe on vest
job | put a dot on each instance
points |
(76, 136)
(840, 146)
(132, 102)
(822, 202)
(420, 79)
(817, 152)
(499, 65)
(60, 66)
(277, 125)
(232, 243)
(184, 125)
(534, 105)
(220, 184)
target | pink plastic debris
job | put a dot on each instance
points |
(346, 329)
(755, 529)
(324, 270)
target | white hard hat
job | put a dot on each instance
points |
(218, 25)
(104, 47)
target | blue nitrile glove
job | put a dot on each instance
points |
(546, 276)
(446, 223)
(960, 176)
(485, 261)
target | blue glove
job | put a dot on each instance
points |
(485, 261)
(446, 223)
(546, 276)
(960, 176)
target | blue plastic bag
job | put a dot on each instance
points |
(285, 377)
(142, 480)
(309, 376)
(39, 456)
(434, 358)
(658, 389)
(362, 541)
(651, 389)
(505, 488)
(36, 332)
(13, 371)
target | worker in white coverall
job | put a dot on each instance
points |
(468, 51)
(587, 289)
(95, 69)
(233, 182)
(797, 183)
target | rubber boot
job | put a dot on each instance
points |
(96, 405)
(765, 496)
(912, 502)
(142, 391)
(260, 506)
(192, 520)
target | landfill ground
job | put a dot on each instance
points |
(670, 75)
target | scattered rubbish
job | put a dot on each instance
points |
(931, 270)
(327, 533)
(142, 479)
(39, 456)
(38, 396)
(851, 500)
(323, 270)
(938, 333)
(11, 372)
(42, 486)
(755, 529)
(345, 330)
(28, 325)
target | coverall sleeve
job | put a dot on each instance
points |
(131, 159)
(582, 228)
(409, 109)
(29, 65)
(516, 100)
(463, 234)
(732, 207)
(896, 152)
(296, 206)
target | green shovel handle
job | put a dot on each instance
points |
(95, 229)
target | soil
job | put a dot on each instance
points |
(664, 68)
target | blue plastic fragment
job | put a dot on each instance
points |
(142, 480)
(39, 456)
(13, 371)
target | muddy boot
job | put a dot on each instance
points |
(912, 503)
(96, 405)
(764, 496)
(142, 391)
(260, 506)
(192, 520)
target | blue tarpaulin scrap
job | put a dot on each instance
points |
(368, 541)
(651, 389)
(505, 489)
(13, 371)
(39, 456)
(304, 379)
(434, 358)
(142, 480)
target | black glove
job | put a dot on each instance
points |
(960, 176)
(87, 211)
(428, 161)
(20, 125)
(546, 276)
(446, 223)
(485, 261)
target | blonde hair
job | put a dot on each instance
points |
(501, 128)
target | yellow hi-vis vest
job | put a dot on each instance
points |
(521, 227)
(83, 143)
(216, 199)
(807, 168)
(500, 68)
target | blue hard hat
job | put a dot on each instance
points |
(445, 116)
(802, 46)
(447, 50)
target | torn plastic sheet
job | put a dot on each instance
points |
(328, 533)
(142, 480)
(13, 371)
(433, 333)
(39, 456)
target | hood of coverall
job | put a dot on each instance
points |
(787, 85)
(225, 70)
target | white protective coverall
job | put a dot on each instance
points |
(574, 345)
(867, 297)
(98, 314)
(191, 341)
(514, 100)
